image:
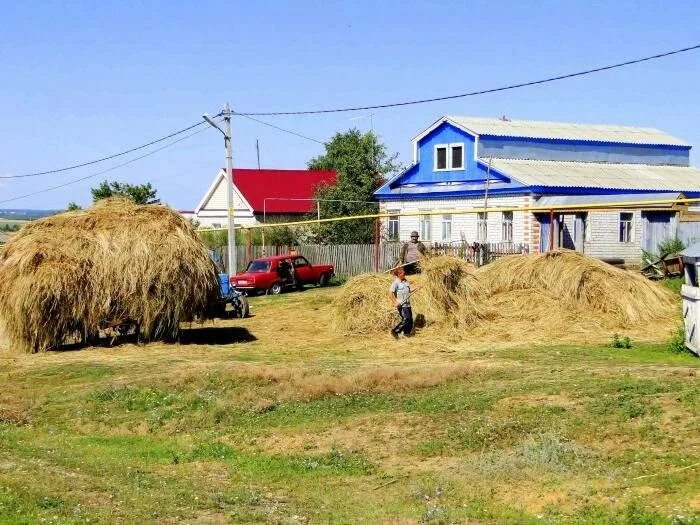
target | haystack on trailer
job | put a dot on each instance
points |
(70, 276)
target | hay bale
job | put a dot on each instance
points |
(582, 283)
(76, 272)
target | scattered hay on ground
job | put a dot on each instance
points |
(560, 295)
(74, 273)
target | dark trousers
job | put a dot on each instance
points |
(411, 268)
(406, 323)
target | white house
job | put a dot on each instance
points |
(260, 194)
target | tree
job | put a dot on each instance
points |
(72, 206)
(139, 193)
(362, 164)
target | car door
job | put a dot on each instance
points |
(303, 270)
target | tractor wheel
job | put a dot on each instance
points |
(245, 307)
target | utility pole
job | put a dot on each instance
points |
(257, 150)
(226, 113)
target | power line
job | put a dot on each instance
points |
(120, 154)
(280, 129)
(473, 93)
(131, 161)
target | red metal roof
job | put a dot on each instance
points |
(266, 190)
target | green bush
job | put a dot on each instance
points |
(677, 342)
(620, 342)
(670, 245)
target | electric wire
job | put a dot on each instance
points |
(473, 93)
(102, 172)
(109, 157)
(235, 113)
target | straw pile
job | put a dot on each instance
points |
(533, 298)
(580, 282)
(448, 294)
(72, 274)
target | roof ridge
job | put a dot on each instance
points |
(584, 162)
(568, 123)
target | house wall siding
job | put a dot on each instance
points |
(464, 226)
(543, 149)
(214, 211)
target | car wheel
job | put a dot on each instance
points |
(323, 279)
(276, 289)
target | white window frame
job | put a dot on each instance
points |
(425, 226)
(629, 237)
(445, 225)
(448, 154)
(449, 151)
(447, 157)
(507, 226)
(482, 226)
(394, 217)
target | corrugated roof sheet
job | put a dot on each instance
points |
(566, 131)
(275, 191)
(573, 200)
(600, 175)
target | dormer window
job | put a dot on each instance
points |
(449, 157)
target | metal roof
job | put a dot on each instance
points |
(600, 175)
(572, 200)
(692, 251)
(566, 131)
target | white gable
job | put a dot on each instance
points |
(215, 199)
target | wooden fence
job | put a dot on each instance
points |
(354, 259)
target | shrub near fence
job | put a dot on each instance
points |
(354, 259)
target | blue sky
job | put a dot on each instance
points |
(83, 80)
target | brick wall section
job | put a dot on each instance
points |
(604, 239)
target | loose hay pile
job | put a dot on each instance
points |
(580, 282)
(77, 272)
(560, 295)
(448, 293)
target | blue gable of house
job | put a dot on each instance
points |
(422, 180)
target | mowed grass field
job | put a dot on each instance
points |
(277, 418)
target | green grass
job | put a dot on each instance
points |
(255, 432)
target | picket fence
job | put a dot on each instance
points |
(354, 259)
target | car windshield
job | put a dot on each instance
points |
(258, 267)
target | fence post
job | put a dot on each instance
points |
(376, 246)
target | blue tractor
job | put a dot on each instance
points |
(229, 296)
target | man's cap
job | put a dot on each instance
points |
(414, 234)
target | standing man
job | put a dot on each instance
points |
(400, 296)
(411, 252)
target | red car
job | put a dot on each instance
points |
(274, 274)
